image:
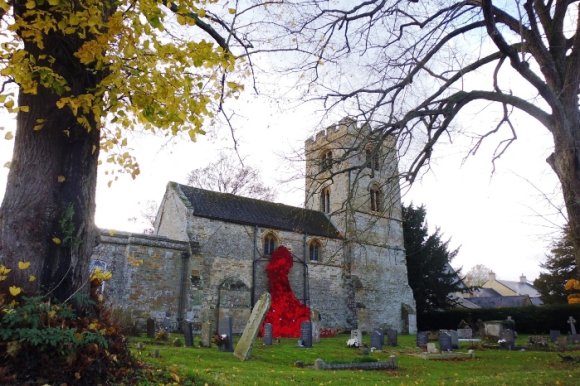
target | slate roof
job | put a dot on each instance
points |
(484, 292)
(521, 288)
(249, 211)
(502, 301)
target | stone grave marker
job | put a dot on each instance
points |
(508, 337)
(243, 349)
(357, 334)
(554, 334)
(377, 339)
(445, 341)
(267, 338)
(206, 334)
(392, 337)
(187, 327)
(422, 339)
(562, 343)
(315, 319)
(431, 348)
(454, 339)
(464, 333)
(572, 322)
(493, 328)
(306, 333)
(226, 329)
(151, 328)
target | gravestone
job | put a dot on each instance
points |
(243, 349)
(377, 339)
(306, 333)
(206, 334)
(315, 319)
(454, 339)
(464, 333)
(445, 341)
(493, 328)
(508, 337)
(572, 322)
(392, 337)
(151, 328)
(357, 334)
(431, 348)
(554, 334)
(226, 329)
(188, 333)
(267, 338)
(562, 343)
(422, 339)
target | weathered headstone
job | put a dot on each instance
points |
(306, 333)
(572, 322)
(392, 337)
(357, 334)
(562, 343)
(493, 328)
(188, 333)
(226, 329)
(377, 339)
(422, 339)
(454, 339)
(554, 334)
(431, 348)
(151, 328)
(243, 349)
(206, 334)
(267, 338)
(508, 338)
(445, 341)
(315, 319)
(464, 333)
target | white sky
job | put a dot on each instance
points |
(499, 220)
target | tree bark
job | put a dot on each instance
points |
(47, 215)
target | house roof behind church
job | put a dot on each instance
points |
(521, 288)
(243, 210)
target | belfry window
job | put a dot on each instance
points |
(269, 244)
(325, 200)
(326, 161)
(372, 159)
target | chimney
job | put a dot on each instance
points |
(491, 276)
(523, 279)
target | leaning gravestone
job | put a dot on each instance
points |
(357, 334)
(554, 334)
(188, 333)
(306, 333)
(227, 330)
(572, 322)
(206, 334)
(377, 339)
(151, 328)
(243, 349)
(422, 339)
(267, 338)
(445, 341)
(315, 319)
(392, 337)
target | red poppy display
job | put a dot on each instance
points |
(286, 311)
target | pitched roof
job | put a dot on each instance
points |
(249, 211)
(484, 292)
(521, 288)
(502, 301)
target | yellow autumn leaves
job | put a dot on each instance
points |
(4, 271)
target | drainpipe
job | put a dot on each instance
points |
(182, 288)
(304, 267)
(253, 291)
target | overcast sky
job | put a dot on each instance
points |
(502, 220)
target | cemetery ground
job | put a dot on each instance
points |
(279, 364)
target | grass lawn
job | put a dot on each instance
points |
(275, 365)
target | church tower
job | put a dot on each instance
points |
(352, 176)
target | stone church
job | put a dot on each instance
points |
(208, 255)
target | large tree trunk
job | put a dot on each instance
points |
(565, 161)
(47, 213)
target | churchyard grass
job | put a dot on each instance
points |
(276, 365)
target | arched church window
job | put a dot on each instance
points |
(326, 160)
(372, 159)
(376, 198)
(325, 200)
(314, 250)
(270, 244)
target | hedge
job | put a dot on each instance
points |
(528, 320)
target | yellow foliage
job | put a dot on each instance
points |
(14, 290)
(572, 284)
(56, 240)
(101, 275)
(4, 270)
(23, 264)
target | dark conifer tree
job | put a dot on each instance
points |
(428, 263)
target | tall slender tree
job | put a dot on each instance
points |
(431, 276)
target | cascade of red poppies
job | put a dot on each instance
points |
(286, 312)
